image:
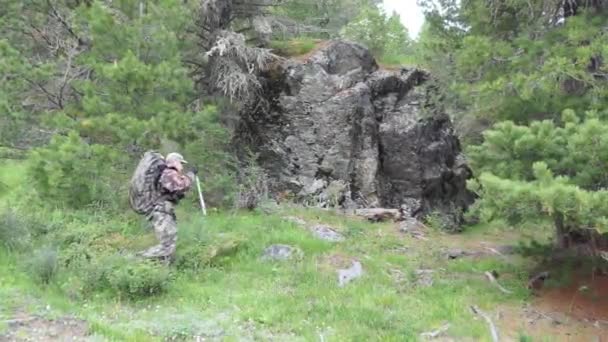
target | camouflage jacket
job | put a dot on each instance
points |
(174, 183)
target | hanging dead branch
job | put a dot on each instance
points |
(234, 66)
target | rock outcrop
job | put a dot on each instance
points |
(338, 130)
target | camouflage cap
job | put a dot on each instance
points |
(174, 156)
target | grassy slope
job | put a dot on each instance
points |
(242, 297)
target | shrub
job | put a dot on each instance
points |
(128, 277)
(137, 279)
(436, 221)
(206, 142)
(546, 171)
(196, 254)
(253, 186)
(43, 264)
(72, 172)
(14, 232)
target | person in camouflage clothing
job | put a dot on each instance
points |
(166, 184)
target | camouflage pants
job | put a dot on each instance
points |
(164, 223)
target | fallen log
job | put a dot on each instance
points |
(379, 214)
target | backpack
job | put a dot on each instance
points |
(143, 189)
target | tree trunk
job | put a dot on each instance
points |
(562, 237)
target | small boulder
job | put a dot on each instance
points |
(280, 252)
(326, 233)
(413, 227)
(456, 253)
(347, 275)
(410, 224)
(424, 278)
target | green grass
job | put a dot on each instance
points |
(293, 47)
(389, 60)
(243, 296)
(236, 295)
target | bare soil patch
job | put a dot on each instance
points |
(584, 298)
(535, 322)
(335, 261)
(34, 328)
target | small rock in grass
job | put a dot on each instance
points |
(347, 275)
(456, 253)
(326, 233)
(280, 252)
(424, 278)
(410, 225)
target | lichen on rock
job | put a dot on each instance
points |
(338, 130)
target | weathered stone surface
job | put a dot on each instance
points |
(340, 131)
(347, 275)
(281, 252)
(457, 253)
(326, 233)
(424, 278)
(379, 214)
(413, 227)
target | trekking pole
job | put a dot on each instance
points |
(200, 196)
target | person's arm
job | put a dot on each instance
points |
(174, 181)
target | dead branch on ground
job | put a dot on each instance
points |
(485, 316)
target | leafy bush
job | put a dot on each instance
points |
(72, 172)
(206, 145)
(139, 278)
(253, 185)
(43, 264)
(196, 254)
(437, 221)
(14, 230)
(129, 277)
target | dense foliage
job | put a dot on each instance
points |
(534, 72)
(91, 85)
(87, 86)
(381, 33)
(524, 69)
(527, 172)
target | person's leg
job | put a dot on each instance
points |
(165, 228)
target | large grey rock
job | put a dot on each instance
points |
(339, 130)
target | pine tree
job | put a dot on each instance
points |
(106, 81)
(382, 34)
(535, 72)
